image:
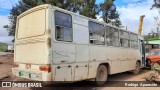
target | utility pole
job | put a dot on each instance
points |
(140, 25)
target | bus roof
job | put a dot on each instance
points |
(33, 9)
(69, 12)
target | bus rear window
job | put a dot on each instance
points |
(32, 24)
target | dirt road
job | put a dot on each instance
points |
(6, 63)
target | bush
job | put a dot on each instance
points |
(3, 47)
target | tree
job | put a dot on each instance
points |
(12, 18)
(89, 8)
(109, 12)
(156, 4)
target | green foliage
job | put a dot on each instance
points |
(118, 22)
(156, 4)
(105, 7)
(109, 12)
(150, 37)
(89, 8)
(3, 47)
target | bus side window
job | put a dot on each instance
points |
(112, 36)
(133, 40)
(124, 39)
(96, 33)
(63, 30)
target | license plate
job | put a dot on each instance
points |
(24, 74)
(34, 76)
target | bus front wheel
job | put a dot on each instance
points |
(101, 76)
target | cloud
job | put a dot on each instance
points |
(3, 33)
(134, 1)
(130, 14)
(5, 6)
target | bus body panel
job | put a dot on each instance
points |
(80, 71)
(62, 72)
(30, 35)
(81, 34)
(73, 60)
(63, 53)
(72, 56)
(36, 56)
(92, 70)
(31, 49)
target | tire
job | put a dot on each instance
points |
(137, 69)
(102, 75)
(148, 63)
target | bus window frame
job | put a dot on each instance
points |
(133, 40)
(63, 26)
(124, 38)
(89, 32)
(107, 26)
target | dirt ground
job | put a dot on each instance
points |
(6, 63)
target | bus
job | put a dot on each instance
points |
(53, 44)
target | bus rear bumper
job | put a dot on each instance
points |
(31, 74)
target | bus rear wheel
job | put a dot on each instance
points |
(137, 69)
(101, 76)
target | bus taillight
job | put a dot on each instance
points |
(45, 68)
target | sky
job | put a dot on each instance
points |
(129, 10)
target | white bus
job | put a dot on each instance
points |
(53, 44)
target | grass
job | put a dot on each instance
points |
(3, 47)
